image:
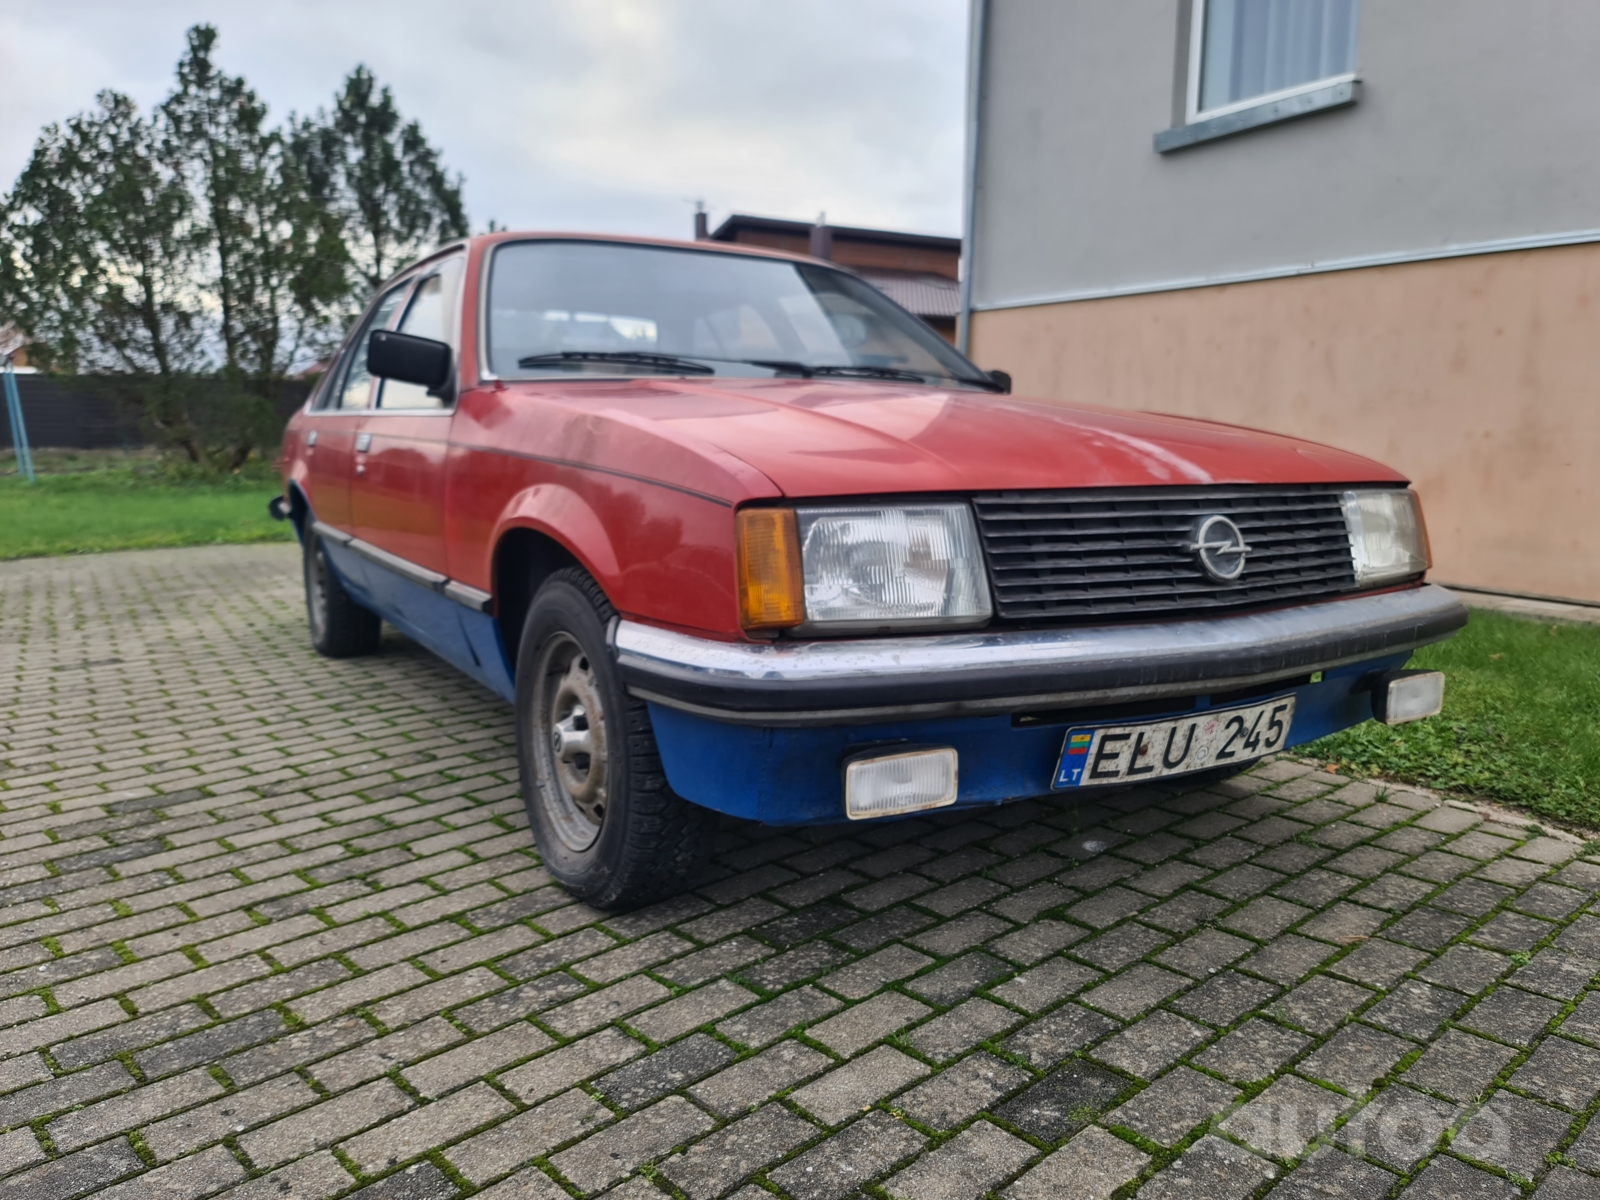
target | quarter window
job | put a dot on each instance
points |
(1243, 52)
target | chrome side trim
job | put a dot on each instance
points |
(829, 682)
(468, 597)
(402, 567)
(461, 593)
(330, 534)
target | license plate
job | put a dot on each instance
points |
(1104, 754)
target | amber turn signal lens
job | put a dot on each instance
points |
(770, 586)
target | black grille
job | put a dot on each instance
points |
(1120, 552)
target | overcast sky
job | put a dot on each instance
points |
(569, 114)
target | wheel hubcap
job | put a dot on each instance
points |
(570, 726)
(570, 741)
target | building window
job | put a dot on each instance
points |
(1249, 52)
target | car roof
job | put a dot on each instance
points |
(634, 240)
(500, 236)
(540, 235)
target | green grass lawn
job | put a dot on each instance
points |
(1521, 721)
(126, 503)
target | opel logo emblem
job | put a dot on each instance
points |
(1220, 547)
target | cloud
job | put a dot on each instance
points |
(572, 114)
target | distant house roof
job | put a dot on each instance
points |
(738, 223)
(925, 295)
(919, 271)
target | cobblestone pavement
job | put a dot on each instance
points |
(272, 926)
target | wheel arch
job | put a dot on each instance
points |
(299, 508)
(523, 559)
(543, 529)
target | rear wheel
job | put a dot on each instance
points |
(609, 828)
(340, 628)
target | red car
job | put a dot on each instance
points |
(736, 534)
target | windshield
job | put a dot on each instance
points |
(600, 308)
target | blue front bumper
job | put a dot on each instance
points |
(761, 730)
(793, 775)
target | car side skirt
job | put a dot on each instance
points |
(465, 636)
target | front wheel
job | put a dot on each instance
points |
(609, 828)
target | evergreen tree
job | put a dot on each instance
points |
(380, 174)
(100, 248)
(277, 263)
(204, 242)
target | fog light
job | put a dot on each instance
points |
(1403, 696)
(881, 783)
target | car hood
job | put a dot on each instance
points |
(815, 438)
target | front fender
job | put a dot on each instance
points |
(561, 514)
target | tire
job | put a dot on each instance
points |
(609, 828)
(340, 628)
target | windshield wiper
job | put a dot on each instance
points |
(782, 366)
(636, 358)
(790, 367)
(878, 373)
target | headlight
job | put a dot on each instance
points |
(865, 567)
(838, 570)
(1388, 540)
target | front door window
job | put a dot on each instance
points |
(356, 393)
(431, 314)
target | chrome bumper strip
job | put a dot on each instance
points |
(992, 671)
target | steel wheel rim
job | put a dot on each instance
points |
(569, 736)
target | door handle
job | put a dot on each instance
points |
(363, 440)
(311, 439)
(361, 468)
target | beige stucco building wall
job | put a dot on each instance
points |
(1477, 376)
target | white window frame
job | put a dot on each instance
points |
(1197, 39)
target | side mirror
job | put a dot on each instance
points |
(408, 359)
(1002, 379)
